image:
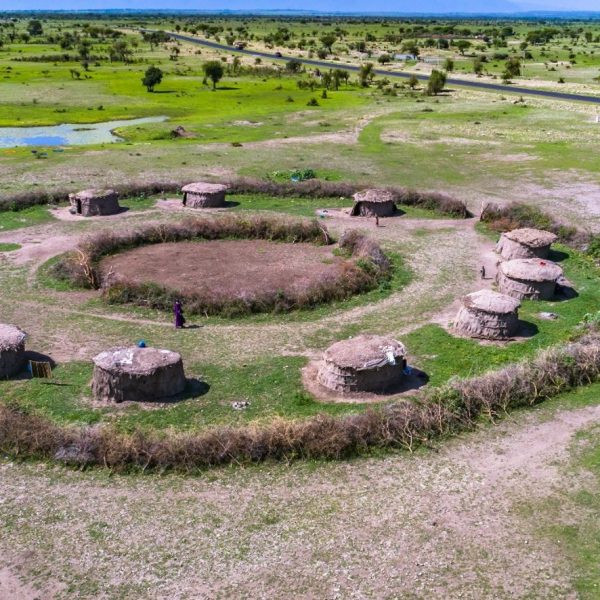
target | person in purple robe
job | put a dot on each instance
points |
(178, 312)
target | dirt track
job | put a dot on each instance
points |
(431, 525)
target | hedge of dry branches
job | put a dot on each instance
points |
(407, 424)
(517, 215)
(314, 188)
(367, 268)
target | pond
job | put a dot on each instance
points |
(68, 134)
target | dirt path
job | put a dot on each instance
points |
(442, 524)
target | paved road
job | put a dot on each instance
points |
(509, 89)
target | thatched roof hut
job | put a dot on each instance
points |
(373, 203)
(95, 203)
(138, 374)
(366, 363)
(531, 278)
(12, 350)
(525, 243)
(204, 195)
(488, 315)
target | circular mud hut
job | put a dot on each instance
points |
(137, 374)
(95, 203)
(12, 350)
(525, 243)
(373, 203)
(367, 363)
(204, 195)
(488, 315)
(530, 278)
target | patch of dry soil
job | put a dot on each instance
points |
(227, 268)
(430, 525)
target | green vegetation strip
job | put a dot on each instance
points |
(9, 247)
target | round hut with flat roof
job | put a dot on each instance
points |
(488, 315)
(525, 243)
(95, 203)
(373, 203)
(528, 278)
(12, 350)
(366, 363)
(137, 374)
(204, 195)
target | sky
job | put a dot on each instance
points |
(399, 6)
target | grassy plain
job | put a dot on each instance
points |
(508, 511)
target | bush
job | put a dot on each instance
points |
(517, 215)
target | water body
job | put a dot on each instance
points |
(68, 134)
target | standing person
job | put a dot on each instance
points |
(482, 272)
(178, 312)
(376, 221)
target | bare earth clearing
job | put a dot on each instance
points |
(445, 524)
(231, 268)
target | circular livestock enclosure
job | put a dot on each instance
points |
(488, 315)
(374, 203)
(12, 350)
(525, 243)
(228, 265)
(204, 195)
(366, 363)
(137, 374)
(529, 278)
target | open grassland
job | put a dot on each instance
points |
(506, 511)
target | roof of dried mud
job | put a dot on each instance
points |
(375, 196)
(11, 336)
(531, 269)
(364, 352)
(534, 238)
(135, 360)
(203, 187)
(491, 302)
(94, 194)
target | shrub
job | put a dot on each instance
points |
(517, 215)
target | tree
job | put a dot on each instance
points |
(213, 69)
(34, 27)
(449, 65)
(384, 59)
(413, 82)
(120, 51)
(152, 78)
(462, 46)
(365, 74)
(410, 47)
(328, 40)
(478, 66)
(436, 83)
(293, 65)
(512, 68)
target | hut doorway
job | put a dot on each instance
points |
(79, 210)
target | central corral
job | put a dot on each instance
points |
(237, 268)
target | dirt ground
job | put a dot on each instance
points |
(230, 268)
(446, 524)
